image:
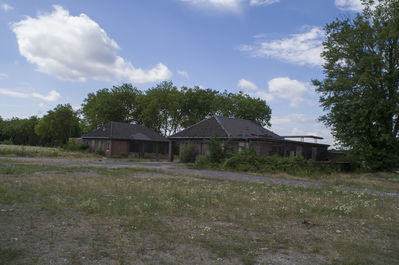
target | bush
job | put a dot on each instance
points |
(99, 151)
(72, 146)
(242, 161)
(204, 162)
(6, 142)
(219, 151)
(188, 155)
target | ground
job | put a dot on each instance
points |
(101, 211)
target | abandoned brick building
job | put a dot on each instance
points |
(242, 133)
(116, 138)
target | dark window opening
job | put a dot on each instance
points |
(134, 147)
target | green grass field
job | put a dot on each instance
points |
(83, 215)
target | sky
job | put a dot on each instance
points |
(56, 52)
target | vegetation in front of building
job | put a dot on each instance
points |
(221, 156)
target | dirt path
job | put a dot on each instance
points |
(180, 169)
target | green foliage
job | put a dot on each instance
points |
(247, 161)
(117, 104)
(188, 155)
(72, 146)
(242, 161)
(161, 108)
(99, 151)
(58, 125)
(19, 131)
(166, 109)
(360, 91)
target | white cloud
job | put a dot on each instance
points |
(252, 89)
(76, 107)
(301, 124)
(301, 49)
(3, 76)
(76, 48)
(222, 5)
(296, 117)
(183, 73)
(262, 2)
(351, 5)
(51, 97)
(290, 89)
(6, 7)
(246, 84)
(228, 5)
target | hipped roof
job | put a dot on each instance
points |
(125, 131)
(225, 127)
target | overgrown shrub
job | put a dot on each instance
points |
(204, 162)
(242, 161)
(6, 142)
(99, 151)
(188, 155)
(219, 151)
(72, 146)
(247, 161)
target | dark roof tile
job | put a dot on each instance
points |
(125, 131)
(224, 127)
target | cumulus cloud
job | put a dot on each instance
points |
(222, 5)
(262, 2)
(252, 89)
(302, 49)
(296, 117)
(228, 5)
(289, 89)
(3, 76)
(246, 84)
(351, 5)
(53, 96)
(301, 124)
(6, 7)
(183, 73)
(76, 48)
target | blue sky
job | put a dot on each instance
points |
(58, 52)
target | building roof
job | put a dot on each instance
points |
(224, 127)
(125, 131)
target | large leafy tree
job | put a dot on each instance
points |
(19, 131)
(243, 106)
(161, 108)
(360, 91)
(58, 125)
(116, 104)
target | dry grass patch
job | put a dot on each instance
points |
(119, 216)
(39, 151)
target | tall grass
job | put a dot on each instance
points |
(228, 220)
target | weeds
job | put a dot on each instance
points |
(225, 220)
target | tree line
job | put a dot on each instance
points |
(163, 108)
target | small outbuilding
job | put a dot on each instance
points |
(243, 133)
(116, 138)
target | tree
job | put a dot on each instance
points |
(198, 104)
(58, 125)
(161, 108)
(360, 91)
(116, 104)
(243, 106)
(19, 131)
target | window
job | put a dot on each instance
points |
(134, 147)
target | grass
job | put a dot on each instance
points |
(121, 215)
(39, 151)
